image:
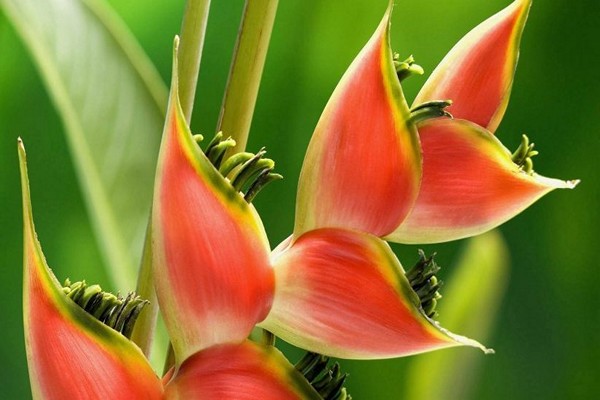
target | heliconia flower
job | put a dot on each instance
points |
(363, 165)
(70, 353)
(471, 184)
(344, 293)
(468, 181)
(73, 355)
(212, 273)
(338, 292)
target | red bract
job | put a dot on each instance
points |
(210, 250)
(70, 353)
(478, 73)
(363, 165)
(244, 371)
(471, 182)
(344, 293)
(372, 171)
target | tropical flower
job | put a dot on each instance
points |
(77, 345)
(374, 170)
(376, 166)
(77, 336)
(216, 279)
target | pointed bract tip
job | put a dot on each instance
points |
(175, 65)
(21, 149)
(455, 340)
(389, 10)
(460, 340)
(523, 6)
(518, 7)
(524, 3)
(556, 183)
(25, 193)
(387, 17)
(520, 10)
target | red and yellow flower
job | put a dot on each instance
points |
(374, 171)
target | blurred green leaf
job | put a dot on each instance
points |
(112, 103)
(469, 306)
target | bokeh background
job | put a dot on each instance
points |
(545, 333)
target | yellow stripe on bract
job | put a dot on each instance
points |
(398, 103)
(510, 67)
(393, 272)
(496, 150)
(232, 201)
(32, 247)
(482, 137)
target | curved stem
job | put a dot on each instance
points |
(143, 332)
(246, 71)
(193, 29)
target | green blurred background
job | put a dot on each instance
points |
(545, 331)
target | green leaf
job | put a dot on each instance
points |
(112, 103)
(470, 302)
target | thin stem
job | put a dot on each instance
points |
(193, 29)
(143, 332)
(246, 71)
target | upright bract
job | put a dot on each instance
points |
(478, 73)
(211, 266)
(363, 165)
(70, 353)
